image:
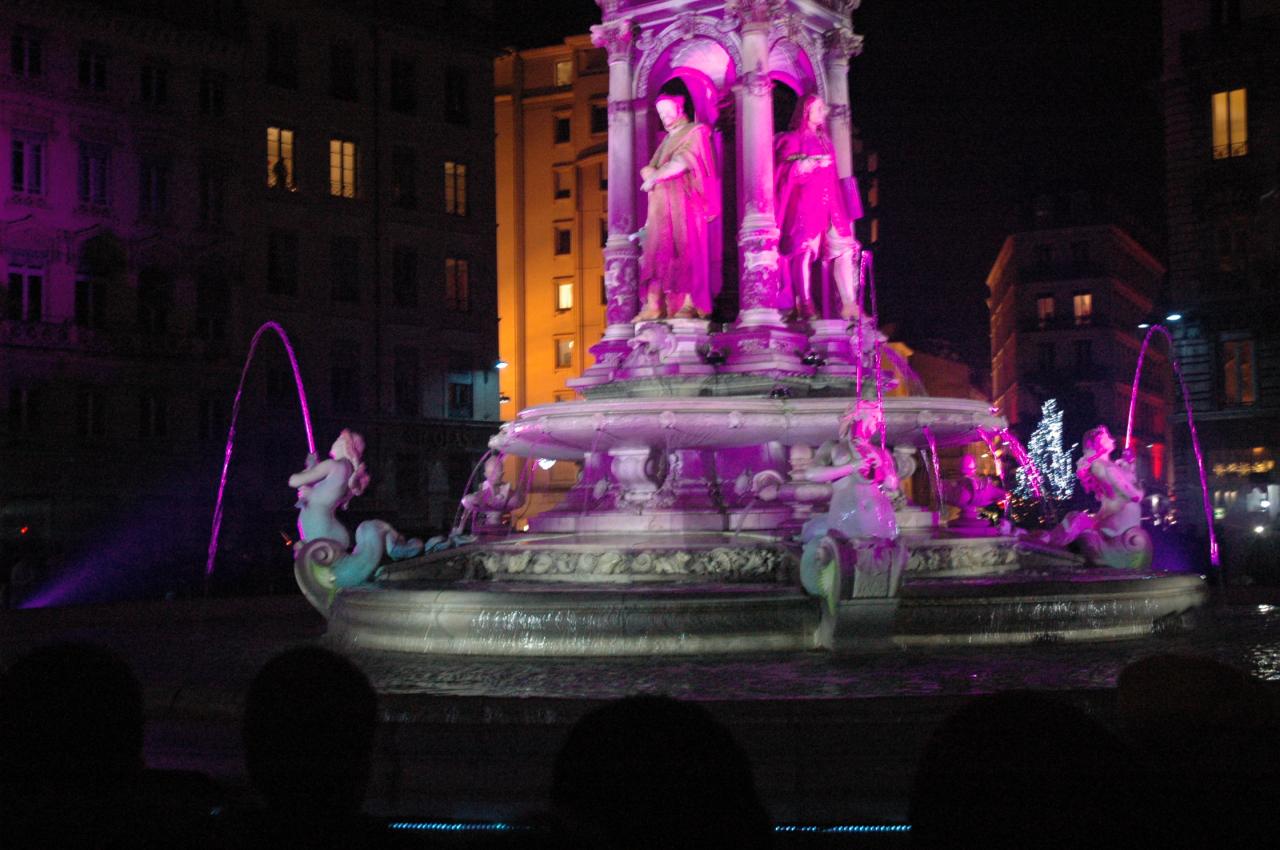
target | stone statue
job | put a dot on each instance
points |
(970, 493)
(684, 197)
(494, 497)
(1113, 534)
(813, 214)
(852, 549)
(328, 486)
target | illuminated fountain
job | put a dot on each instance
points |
(739, 478)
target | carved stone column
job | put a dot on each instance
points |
(759, 342)
(841, 45)
(621, 255)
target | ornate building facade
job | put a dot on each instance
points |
(1222, 143)
(171, 182)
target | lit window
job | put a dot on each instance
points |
(1082, 307)
(455, 188)
(27, 163)
(564, 352)
(342, 168)
(94, 174)
(280, 159)
(1044, 309)
(564, 295)
(564, 72)
(875, 230)
(563, 240)
(93, 68)
(457, 284)
(1238, 372)
(26, 297)
(26, 55)
(1230, 124)
(561, 129)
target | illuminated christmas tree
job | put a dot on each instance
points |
(1046, 451)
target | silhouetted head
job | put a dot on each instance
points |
(810, 113)
(70, 714)
(648, 772)
(1099, 440)
(1020, 769)
(308, 731)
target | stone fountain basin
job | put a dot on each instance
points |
(570, 430)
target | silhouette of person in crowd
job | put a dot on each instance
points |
(309, 724)
(648, 772)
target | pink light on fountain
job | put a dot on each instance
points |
(235, 413)
(1191, 426)
(933, 465)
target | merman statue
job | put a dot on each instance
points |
(853, 550)
(328, 486)
(485, 505)
(970, 493)
(1112, 535)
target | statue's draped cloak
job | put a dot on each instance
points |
(807, 204)
(675, 258)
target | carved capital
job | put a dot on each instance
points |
(841, 44)
(756, 83)
(754, 12)
(616, 37)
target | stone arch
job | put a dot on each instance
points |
(796, 61)
(658, 51)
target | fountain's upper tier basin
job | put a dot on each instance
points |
(569, 430)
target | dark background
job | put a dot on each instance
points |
(974, 110)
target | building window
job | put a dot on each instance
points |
(1084, 353)
(457, 284)
(213, 94)
(564, 352)
(26, 55)
(280, 159)
(1044, 310)
(153, 301)
(602, 176)
(26, 163)
(1238, 372)
(90, 300)
(93, 68)
(561, 129)
(153, 415)
(404, 86)
(564, 295)
(564, 72)
(604, 232)
(563, 240)
(344, 377)
(1082, 307)
(282, 56)
(461, 401)
(404, 276)
(342, 168)
(344, 72)
(212, 193)
(1045, 357)
(25, 302)
(154, 84)
(153, 187)
(213, 306)
(1230, 124)
(93, 174)
(404, 177)
(455, 96)
(599, 118)
(455, 188)
(406, 383)
(344, 269)
(282, 263)
(604, 292)
(91, 414)
(1233, 245)
(563, 184)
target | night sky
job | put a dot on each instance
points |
(975, 108)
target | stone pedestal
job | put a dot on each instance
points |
(830, 340)
(760, 344)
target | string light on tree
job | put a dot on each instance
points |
(1047, 452)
